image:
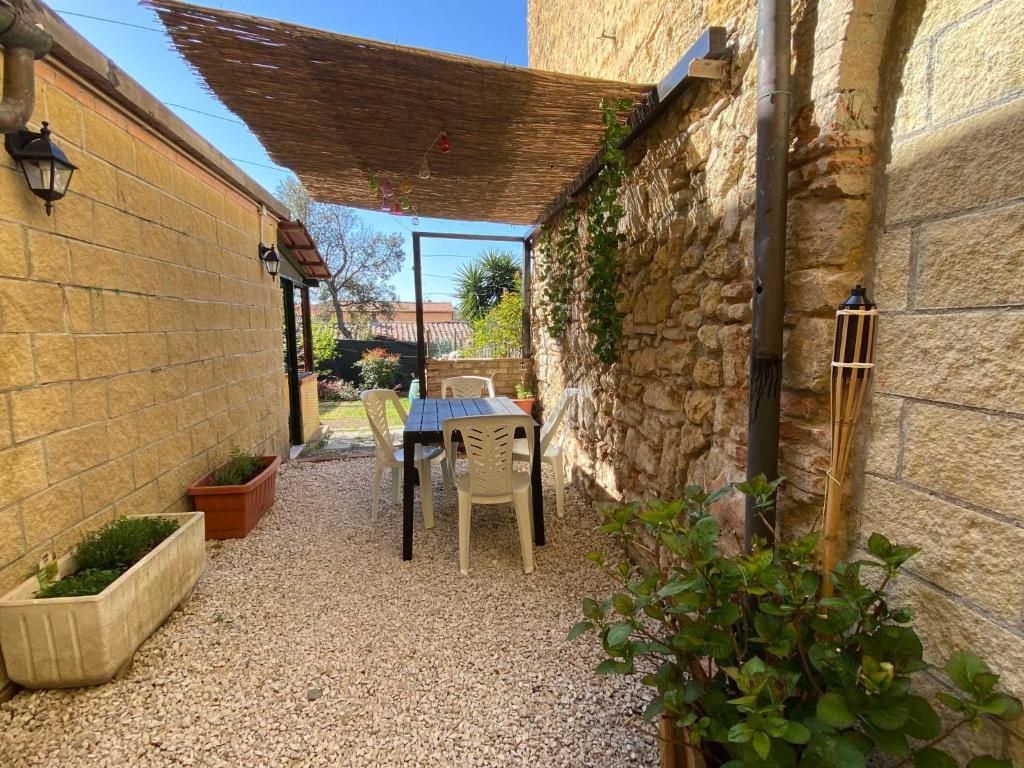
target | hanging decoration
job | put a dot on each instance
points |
(388, 192)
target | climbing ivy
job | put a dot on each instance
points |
(560, 273)
(603, 216)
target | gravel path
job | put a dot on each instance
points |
(310, 643)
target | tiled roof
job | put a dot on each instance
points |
(410, 306)
(455, 331)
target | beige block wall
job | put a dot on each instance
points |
(505, 372)
(140, 336)
(945, 446)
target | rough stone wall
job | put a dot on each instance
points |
(139, 334)
(506, 372)
(946, 443)
(672, 411)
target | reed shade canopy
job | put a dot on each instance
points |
(852, 362)
(336, 109)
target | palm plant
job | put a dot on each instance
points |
(482, 283)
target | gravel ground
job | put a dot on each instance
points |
(310, 643)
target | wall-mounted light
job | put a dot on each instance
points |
(270, 260)
(47, 169)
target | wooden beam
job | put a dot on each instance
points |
(421, 342)
(454, 236)
(526, 345)
(307, 330)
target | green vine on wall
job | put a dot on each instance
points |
(603, 216)
(560, 274)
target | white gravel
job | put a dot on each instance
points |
(310, 643)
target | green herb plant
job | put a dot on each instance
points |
(240, 468)
(559, 273)
(603, 237)
(103, 555)
(523, 392)
(755, 668)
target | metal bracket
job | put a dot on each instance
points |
(708, 69)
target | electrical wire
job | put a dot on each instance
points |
(108, 21)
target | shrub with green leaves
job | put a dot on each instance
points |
(378, 369)
(756, 667)
(81, 584)
(240, 468)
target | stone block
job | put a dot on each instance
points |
(819, 290)
(108, 141)
(891, 283)
(89, 401)
(107, 483)
(95, 267)
(16, 369)
(49, 256)
(979, 61)
(972, 261)
(129, 392)
(157, 422)
(40, 410)
(707, 372)
(912, 108)
(55, 357)
(174, 450)
(31, 307)
(125, 313)
(73, 216)
(826, 232)
(807, 362)
(76, 450)
(48, 513)
(939, 16)
(963, 551)
(884, 434)
(117, 229)
(65, 116)
(23, 469)
(122, 435)
(12, 542)
(967, 164)
(97, 180)
(13, 259)
(967, 455)
(85, 309)
(967, 359)
(101, 355)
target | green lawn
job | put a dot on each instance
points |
(351, 417)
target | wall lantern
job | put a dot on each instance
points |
(270, 260)
(47, 169)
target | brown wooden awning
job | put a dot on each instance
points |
(294, 236)
(340, 110)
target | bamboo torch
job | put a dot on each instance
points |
(852, 361)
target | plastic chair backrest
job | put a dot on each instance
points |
(467, 386)
(488, 441)
(549, 429)
(375, 401)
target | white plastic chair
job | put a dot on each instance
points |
(550, 446)
(467, 386)
(492, 479)
(375, 401)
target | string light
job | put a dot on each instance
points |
(424, 172)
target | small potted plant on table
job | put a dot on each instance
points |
(237, 494)
(524, 398)
(81, 618)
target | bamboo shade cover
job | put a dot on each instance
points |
(337, 109)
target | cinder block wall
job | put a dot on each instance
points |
(506, 372)
(140, 336)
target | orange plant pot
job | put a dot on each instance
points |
(526, 405)
(234, 510)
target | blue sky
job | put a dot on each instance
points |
(486, 29)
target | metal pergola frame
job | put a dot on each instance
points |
(417, 271)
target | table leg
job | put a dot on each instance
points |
(538, 491)
(408, 478)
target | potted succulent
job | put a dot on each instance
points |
(753, 663)
(237, 494)
(524, 398)
(81, 618)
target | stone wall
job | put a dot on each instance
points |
(506, 372)
(140, 336)
(905, 170)
(945, 447)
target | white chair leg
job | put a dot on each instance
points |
(446, 473)
(524, 520)
(559, 468)
(426, 496)
(378, 477)
(465, 507)
(396, 484)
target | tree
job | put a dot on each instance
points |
(482, 283)
(324, 343)
(361, 261)
(498, 333)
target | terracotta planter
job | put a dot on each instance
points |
(233, 510)
(526, 405)
(67, 642)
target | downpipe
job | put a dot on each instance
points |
(23, 43)
(774, 18)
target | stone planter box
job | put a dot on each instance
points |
(66, 642)
(233, 510)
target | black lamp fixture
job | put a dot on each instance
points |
(47, 169)
(270, 260)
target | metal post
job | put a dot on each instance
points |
(421, 347)
(526, 345)
(773, 53)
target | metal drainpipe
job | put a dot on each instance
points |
(773, 55)
(23, 43)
